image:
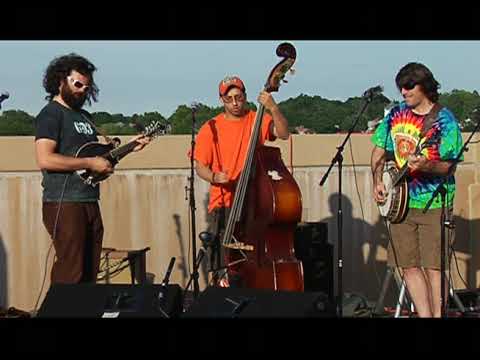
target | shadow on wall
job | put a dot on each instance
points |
(463, 245)
(363, 272)
(182, 264)
(185, 264)
(362, 243)
(3, 274)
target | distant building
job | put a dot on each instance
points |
(303, 130)
(372, 125)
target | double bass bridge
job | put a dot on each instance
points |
(239, 246)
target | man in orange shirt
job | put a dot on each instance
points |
(221, 148)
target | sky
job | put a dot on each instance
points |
(147, 76)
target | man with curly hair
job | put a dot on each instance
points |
(70, 210)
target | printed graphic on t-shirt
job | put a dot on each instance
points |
(400, 132)
(405, 145)
(70, 129)
(83, 128)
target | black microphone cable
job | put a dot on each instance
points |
(54, 234)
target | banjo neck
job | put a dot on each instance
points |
(419, 148)
(400, 175)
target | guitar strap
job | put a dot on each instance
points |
(98, 130)
(430, 119)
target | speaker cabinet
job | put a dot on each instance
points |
(316, 254)
(218, 302)
(113, 300)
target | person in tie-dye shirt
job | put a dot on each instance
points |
(415, 244)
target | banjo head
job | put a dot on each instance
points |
(385, 207)
(396, 205)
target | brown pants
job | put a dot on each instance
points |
(416, 242)
(77, 242)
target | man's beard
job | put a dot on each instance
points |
(74, 101)
(237, 112)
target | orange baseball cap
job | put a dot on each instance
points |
(228, 82)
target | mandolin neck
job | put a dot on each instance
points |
(123, 150)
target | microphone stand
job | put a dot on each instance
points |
(445, 218)
(197, 262)
(4, 96)
(191, 190)
(338, 159)
(163, 289)
(206, 238)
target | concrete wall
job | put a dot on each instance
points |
(144, 204)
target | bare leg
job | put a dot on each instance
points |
(429, 289)
(434, 277)
(418, 290)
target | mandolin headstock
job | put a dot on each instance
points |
(156, 128)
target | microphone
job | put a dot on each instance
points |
(5, 95)
(206, 238)
(195, 106)
(161, 296)
(200, 255)
(169, 271)
(373, 92)
(165, 280)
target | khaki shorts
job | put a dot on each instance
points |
(416, 241)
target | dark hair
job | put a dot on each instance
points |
(60, 67)
(416, 73)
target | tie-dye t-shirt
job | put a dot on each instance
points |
(399, 132)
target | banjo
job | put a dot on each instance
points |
(395, 207)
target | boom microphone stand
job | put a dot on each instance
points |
(192, 205)
(446, 220)
(368, 96)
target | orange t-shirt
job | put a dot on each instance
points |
(222, 145)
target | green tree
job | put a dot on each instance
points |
(16, 122)
(313, 112)
(462, 103)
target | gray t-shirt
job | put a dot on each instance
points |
(70, 130)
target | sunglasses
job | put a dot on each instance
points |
(229, 99)
(78, 84)
(408, 85)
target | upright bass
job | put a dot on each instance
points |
(267, 205)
